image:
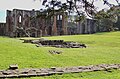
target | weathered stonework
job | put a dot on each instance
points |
(88, 26)
(2, 29)
(27, 23)
(56, 43)
(21, 23)
(53, 70)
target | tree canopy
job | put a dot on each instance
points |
(80, 7)
(84, 8)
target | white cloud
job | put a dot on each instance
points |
(100, 3)
(22, 4)
(30, 4)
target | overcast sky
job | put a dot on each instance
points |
(29, 5)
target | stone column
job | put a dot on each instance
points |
(54, 28)
(95, 27)
(86, 26)
(7, 25)
(40, 33)
(79, 28)
(89, 26)
(64, 24)
(15, 21)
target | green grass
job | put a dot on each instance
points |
(102, 48)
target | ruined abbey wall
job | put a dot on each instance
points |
(26, 22)
(33, 23)
(88, 26)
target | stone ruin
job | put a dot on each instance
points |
(33, 23)
(2, 29)
(32, 72)
(55, 51)
(56, 43)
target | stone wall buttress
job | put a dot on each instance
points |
(54, 29)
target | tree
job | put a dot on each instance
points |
(106, 19)
(75, 6)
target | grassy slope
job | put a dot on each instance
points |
(102, 48)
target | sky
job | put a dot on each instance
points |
(32, 4)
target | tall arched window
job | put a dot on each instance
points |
(20, 19)
(60, 17)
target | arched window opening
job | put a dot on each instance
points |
(20, 19)
(60, 17)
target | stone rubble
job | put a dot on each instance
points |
(56, 43)
(17, 73)
(13, 67)
(55, 51)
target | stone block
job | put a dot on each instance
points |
(53, 68)
(24, 71)
(2, 76)
(35, 41)
(13, 67)
(12, 76)
(43, 74)
(51, 72)
(1, 73)
(59, 70)
(27, 41)
(7, 72)
(32, 73)
(23, 75)
(59, 73)
(55, 51)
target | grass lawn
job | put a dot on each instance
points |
(102, 48)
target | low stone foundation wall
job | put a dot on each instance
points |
(56, 43)
(51, 71)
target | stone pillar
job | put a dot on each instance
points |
(64, 24)
(7, 25)
(89, 26)
(46, 32)
(95, 27)
(86, 27)
(15, 21)
(36, 35)
(43, 27)
(54, 28)
(79, 27)
(40, 33)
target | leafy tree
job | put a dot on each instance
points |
(80, 7)
(106, 19)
